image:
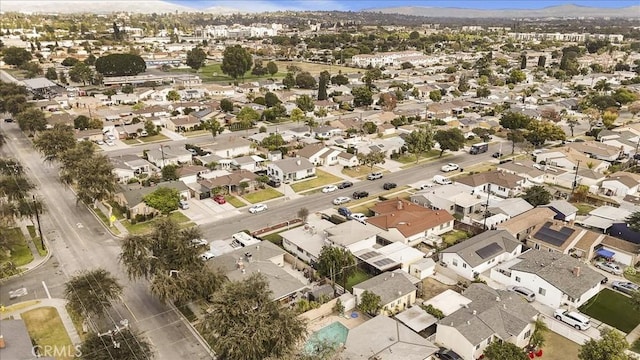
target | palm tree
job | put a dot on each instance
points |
(602, 86)
(528, 91)
(90, 293)
(537, 339)
(572, 122)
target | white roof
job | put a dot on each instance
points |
(596, 222)
(416, 318)
(610, 212)
(448, 302)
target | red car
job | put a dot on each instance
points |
(219, 199)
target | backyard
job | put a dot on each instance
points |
(583, 209)
(614, 309)
(355, 279)
(46, 329)
(262, 195)
(322, 178)
(454, 237)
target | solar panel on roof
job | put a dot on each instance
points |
(383, 262)
(489, 250)
(369, 255)
(553, 237)
(567, 231)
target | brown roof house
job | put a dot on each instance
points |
(403, 221)
(558, 236)
(230, 182)
(498, 183)
(131, 197)
(182, 123)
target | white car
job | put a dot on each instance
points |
(207, 256)
(341, 200)
(330, 188)
(110, 142)
(258, 208)
(199, 242)
(572, 318)
(441, 180)
(450, 167)
(100, 142)
(111, 137)
(358, 217)
(610, 268)
(425, 186)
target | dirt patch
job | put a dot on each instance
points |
(557, 347)
(432, 287)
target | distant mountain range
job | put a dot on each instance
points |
(158, 6)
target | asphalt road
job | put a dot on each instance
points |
(79, 242)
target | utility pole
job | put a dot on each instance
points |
(486, 209)
(575, 179)
(35, 206)
(162, 151)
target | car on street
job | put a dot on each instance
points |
(341, 200)
(609, 267)
(527, 294)
(329, 189)
(374, 176)
(111, 137)
(258, 208)
(220, 199)
(345, 184)
(572, 318)
(8, 120)
(360, 195)
(449, 167)
(441, 180)
(358, 217)
(207, 256)
(344, 211)
(389, 186)
(193, 151)
(497, 155)
(109, 142)
(447, 354)
(625, 287)
(199, 242)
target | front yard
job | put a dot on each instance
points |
(46, 330)
(322, 178)
(361, 171)
(234, 201)
(146, 226)
(410, 159)
(614, 309)
(557, 347)
(262, 195)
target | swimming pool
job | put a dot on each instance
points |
(334, 334)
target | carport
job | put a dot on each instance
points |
(607, 254)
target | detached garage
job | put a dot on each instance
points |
(624, 252)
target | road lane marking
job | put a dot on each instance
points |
(46, 289)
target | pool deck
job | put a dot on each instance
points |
(345, 320)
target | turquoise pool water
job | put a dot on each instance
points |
(334, 334)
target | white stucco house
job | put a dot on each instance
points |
(395, 290)
(621, 183)
(291, 169)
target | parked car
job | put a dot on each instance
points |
(360, 195)
(193, 151)
(8, 120)
(100, 142)
(341, 200)
(389, 186)
(344, 211)
(274, 183)
(447, 354)
(572, 318)
(220, 199)
(625, 287)
(329, 189)
(610, 267)
(258, 208)
(374, 176)
(345, 185)
(441, 180)
(111, 137)
(207, 256)
(527, 294)
(199, 242)
(450, 167)
(358, 217)
(109, 142)
(497, 155)
(183, 204)
(426, 186)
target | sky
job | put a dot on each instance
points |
(273, 5)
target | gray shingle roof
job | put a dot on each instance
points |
(557, 270)
(562, 206)
(291, 165)
(388, 286)
(468, 249)
(134, 195)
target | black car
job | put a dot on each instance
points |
(345, 185)
(360, 195)
(8, 120)
(344, 211)
(447, 354)
(497, 155)
(389, 186)
(274, 183)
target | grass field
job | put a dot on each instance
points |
(262, 195)
(45, 328)
(237, 203)
(20, 252)
(322, 178)
(355, 279)
(36, 240)
(584, 209)
(145, 227)
(558, 347)
(454, 236)
(361, 171)
(633, 278)
(614, 309)
(149, 139)
(410, 159)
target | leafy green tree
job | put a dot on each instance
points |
(15, 56)
(537, 195)
(624, 96)
(271, 99)
(523, 61)
(303, 214)
(435, 95)
(69, 61)
(51, 74)
(32, 120)
(305, 80)
(236, 61)
(273, 142)
(369, 127)
(452, 139)
(272, 68)
(611, 346)
(167, 258)
(297, 115)
(244, 323)
(633, 221)
(289, 80)
(336, 263)
(226, 105)
(514, 121)
(96, 180)
(516, 76)
(540, 132)
(362, 96)
(322, 89)
(169, 172)
(247, 114)
(339, 80)
(483, 92)
(163, 199)
(125, 344)
(120, 65)
(537, 339)
(82, 122)
(55, 142)
(91, 292)
(81, 72)
(173, 95)
(62, 78)
(196, 58)
(371, 159)
(370, 303)
(542, 60)
(419, 141)
(504, 351)
(214, 127)
(305, 103)
(90, 60)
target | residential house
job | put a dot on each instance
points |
(190, 174)
(556, 236)
(393, 341)
(390, 257)
(251, 163)
(348, 160)
(229, 182)
(221, 90)
(153, 111)
(622, 138)
(89, 135)
(524, 168)
(396, 292)
(263, 258)
(230, 146)
(453, 198)
(604, 217)
(569, 159)
(169, 155)
(319, 154)
(403, 221)
(326, 132)
(490, 315)
(597, 150)
(621, 183)
(510, 207)
(557, 279)
(306, 242)
(131, 197)
(183, 123)
(563, 209)
(496, 182)
(621, 251)
(291, 169)
(480, 253)
(127, 167)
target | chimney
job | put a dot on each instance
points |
(475, 312)
(400, 205)
(497, 298)
(393, 274)
(504, 306)
(576, 271)
(298, 162)
(2, 344)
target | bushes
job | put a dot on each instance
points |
(430, 309)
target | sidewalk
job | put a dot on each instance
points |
(633, 335)
(171, 135)
(37, 258)
(59, 304)
(117, 224)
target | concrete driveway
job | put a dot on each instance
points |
(206, 211)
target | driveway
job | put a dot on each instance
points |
(206, 211)
(566, 330)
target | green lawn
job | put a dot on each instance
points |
(46, 329)
(274, 238)
(20, 252)
(132, 141)
(614, 309)
(36, 240)
(410, 159)
(262, 195)
(322, 178)
(213, 72)
(355, 279)
(237, 203)
(148, 139)
(196, 133)
(633, 278)
(584, 209)
(557, 347)
(145, 227)
(115, 210)
(105, 221)
(361, 171)
(178, 217)
(454, 236)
